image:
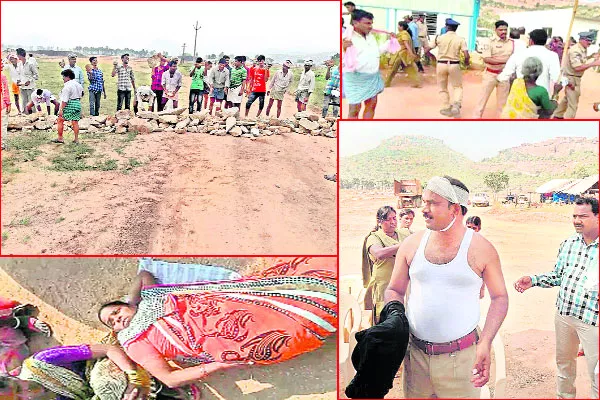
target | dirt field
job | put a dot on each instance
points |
(527, 242)
(70, 307)
(184, 194)
(425, 102)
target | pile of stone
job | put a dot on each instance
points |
(225, 122)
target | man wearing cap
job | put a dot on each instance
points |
(306, 86)
(576, 316)
(259, 76)
(125, 81)
(237, 81)
(448, 71)
(218, 80)
(30, 75)
(72, 58)
(495, 57)
(448, 356)
(331, 94)
(279, 85)
(363, 83)
(573, 69)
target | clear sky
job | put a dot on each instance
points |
(245, 27)
(476, 140)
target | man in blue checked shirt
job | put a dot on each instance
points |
(96, 87)
(576, 319)
(332, 90)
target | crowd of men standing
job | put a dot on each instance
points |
(224, 84)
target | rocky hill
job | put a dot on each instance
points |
(420, 157)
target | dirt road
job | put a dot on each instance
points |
(402, 101)
(527, 242)
(182, 194)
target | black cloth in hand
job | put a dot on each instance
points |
(379, 353)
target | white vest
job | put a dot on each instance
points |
(443, 304)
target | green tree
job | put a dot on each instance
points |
(584, 170)
(336, 57)
(496, 181)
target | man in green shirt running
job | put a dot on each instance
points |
(197, 88)
(237, 82)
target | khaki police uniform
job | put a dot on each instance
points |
(497, 48)
(423, 36)
(567, 107)
(449, 45)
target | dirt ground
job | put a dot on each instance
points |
(192, 194)
(425, 103)
(70, 306)
(527, 242)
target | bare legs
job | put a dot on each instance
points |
(369, 112)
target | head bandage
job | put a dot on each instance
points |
(448, 191)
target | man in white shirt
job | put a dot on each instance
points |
(15, 69)
(306, 86)
(278, 86)
(551, 66)
(30, 75)
(42, 96)
(364, 82)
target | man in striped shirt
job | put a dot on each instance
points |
(576, 319)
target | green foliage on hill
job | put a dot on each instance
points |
(421, 157)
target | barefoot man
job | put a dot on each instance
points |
(576, 317)
(364, 83)
(448, 355)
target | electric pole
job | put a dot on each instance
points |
(183, 54)
(197, 28)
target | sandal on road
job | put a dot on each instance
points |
(57, 141)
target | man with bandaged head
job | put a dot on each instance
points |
(448, 355)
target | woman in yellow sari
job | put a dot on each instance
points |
(526, 99)
(379, 255)
(405, 56)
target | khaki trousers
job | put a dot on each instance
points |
(567, 107)
(570, 331)
(489, 82)
(449, 73)
(444, 375)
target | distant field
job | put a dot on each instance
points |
(50, 78)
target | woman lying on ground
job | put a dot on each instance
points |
(208, 326)
(528, 100)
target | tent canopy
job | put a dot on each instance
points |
(582, 185)
(553, 186)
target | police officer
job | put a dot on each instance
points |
(495, 57)
(448, 71)
(573, 70)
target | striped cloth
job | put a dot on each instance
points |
(574, 267)
(170, 273)
(72, 111)
(359, 86)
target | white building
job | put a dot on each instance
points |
(387, 13)
(555, 22)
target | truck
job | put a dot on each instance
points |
(409, 193)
